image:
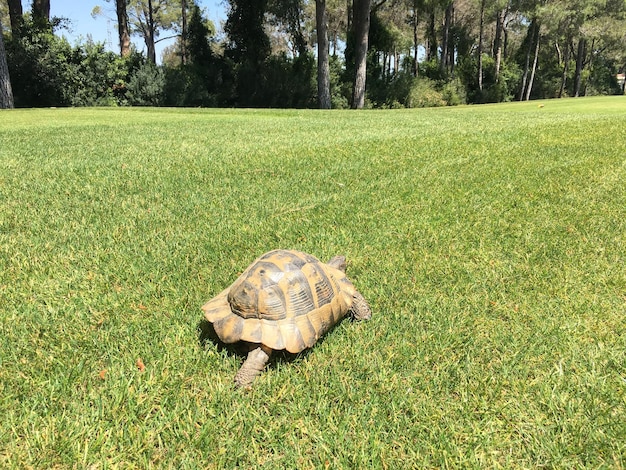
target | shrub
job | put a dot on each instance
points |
(423, 94)
(146, 86)
(41, 71)
(101, 75)
(453, 93)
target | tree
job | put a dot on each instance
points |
(323, 66)
(446, 46)
(502, 10)
(479, 53)
(338, 20)
(248, 49)
(532, 51)
(184, 32)
(41, 12)
(16, 15)
(6, 93)
(361, 26)
(414, 17)
(431, 32)
(123, 28)
(247, 40)
(198, 33)
(286, 18)
(584, 32)
(149, 18)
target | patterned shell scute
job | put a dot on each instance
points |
(285, 300)
(281, 284)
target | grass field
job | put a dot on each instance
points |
(490, 242)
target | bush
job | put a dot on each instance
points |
(423, 94)
(47, 71)
(453, 93)
(187, 86)
(146, 86)
(40, 68)
(289, 83)
(102, 76)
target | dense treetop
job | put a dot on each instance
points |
(374, 53)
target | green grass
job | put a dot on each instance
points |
(490, 242)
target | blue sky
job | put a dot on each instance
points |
(104, 30)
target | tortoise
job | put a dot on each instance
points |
(285, 300)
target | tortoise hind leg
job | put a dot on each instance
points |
(252, 366)
(338, 262)
(360, 309)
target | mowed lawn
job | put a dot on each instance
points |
(490, 242)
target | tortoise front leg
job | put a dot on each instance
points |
(252, 366)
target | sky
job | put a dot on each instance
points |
(101, 29)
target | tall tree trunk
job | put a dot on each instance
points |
(565, 68)
(498, 41)
(41, 11)
(323, 67)
(534, 68)
(183, 36)
(122, 27)
(589, 64)
(348, 16)
(150, 34)
(6, 92)
(431, 35)
(580, 63)
(361, 23)
(445, 44)
(415, 23)
(480, 45)
(16, 15)
(396, 60)
(529, 36)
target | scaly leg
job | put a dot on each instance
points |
(338, 262)
(360, 309)
(252, 366)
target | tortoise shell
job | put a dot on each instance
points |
(285, 299)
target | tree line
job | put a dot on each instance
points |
(322, 53)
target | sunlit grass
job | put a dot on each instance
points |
(490, 242)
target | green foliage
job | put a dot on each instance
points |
(490, 242)
(602, 79)
(41, 68)
(250, 76)
(101, 76)
(247, 40)
(47, 71)
(198, 38)
(453, 92)
(508, 81)
(187, 86)
(196, 83)
(339, 89)
(423, 94)
(432, 70)
(245, 69)
(494, 90)
(405, 90)
(290, 83)
(146, 86)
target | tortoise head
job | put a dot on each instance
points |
(360, 309)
